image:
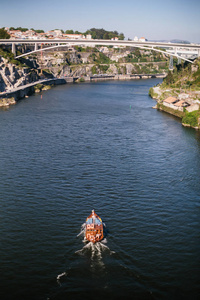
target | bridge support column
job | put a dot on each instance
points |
(24, 48)
(171, 63)
(14, 49)
(36, 46)
(179, 60)
(198, 52)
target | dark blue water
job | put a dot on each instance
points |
(98, 146)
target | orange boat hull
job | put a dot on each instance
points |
(94, 228)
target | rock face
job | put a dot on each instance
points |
(5, 102)
(12, 76)
(73, 63)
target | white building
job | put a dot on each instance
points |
(115, 38)
(142, 39)
(73, 36)
(88, 37)
(58, 32)
(193, 107)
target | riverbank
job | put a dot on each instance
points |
(18, 78)
(179, 93)
(184, 105)
(10, 97)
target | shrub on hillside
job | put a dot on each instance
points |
(191, 118)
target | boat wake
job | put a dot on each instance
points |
(82, 232)
(60, 276)
(93, 250)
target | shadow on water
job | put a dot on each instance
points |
(198, 137)
(95, 272)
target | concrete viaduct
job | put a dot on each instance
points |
(186, 52)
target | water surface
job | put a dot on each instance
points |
(98, 146)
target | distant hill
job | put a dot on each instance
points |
(171, 41)
(179, 41)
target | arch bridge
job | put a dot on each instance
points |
(186, 52)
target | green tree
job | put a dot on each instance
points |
(121, 36)
(111, 35)
(69, 31)
(39, 31)
(22, 29)
(94, 70)
(94, 35)
(4, 34)
(106, 36)
(137, 52)
(169, 79)
(19, 28)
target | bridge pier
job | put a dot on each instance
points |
(14, 49)
(198, 52)
(179, 60)
(36, 46)
(171, 63)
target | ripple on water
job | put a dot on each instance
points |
(81, 148)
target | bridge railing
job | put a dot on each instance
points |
(143, 45)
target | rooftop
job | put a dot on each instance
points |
(179, 103)
(170, 100)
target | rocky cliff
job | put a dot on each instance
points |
(76, 62)
(89, 61)
(13, 76)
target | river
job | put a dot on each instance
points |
(98, 146)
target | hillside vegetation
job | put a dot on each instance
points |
(184, 76)
(4, 34)
(182, 84)
(83, 61)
